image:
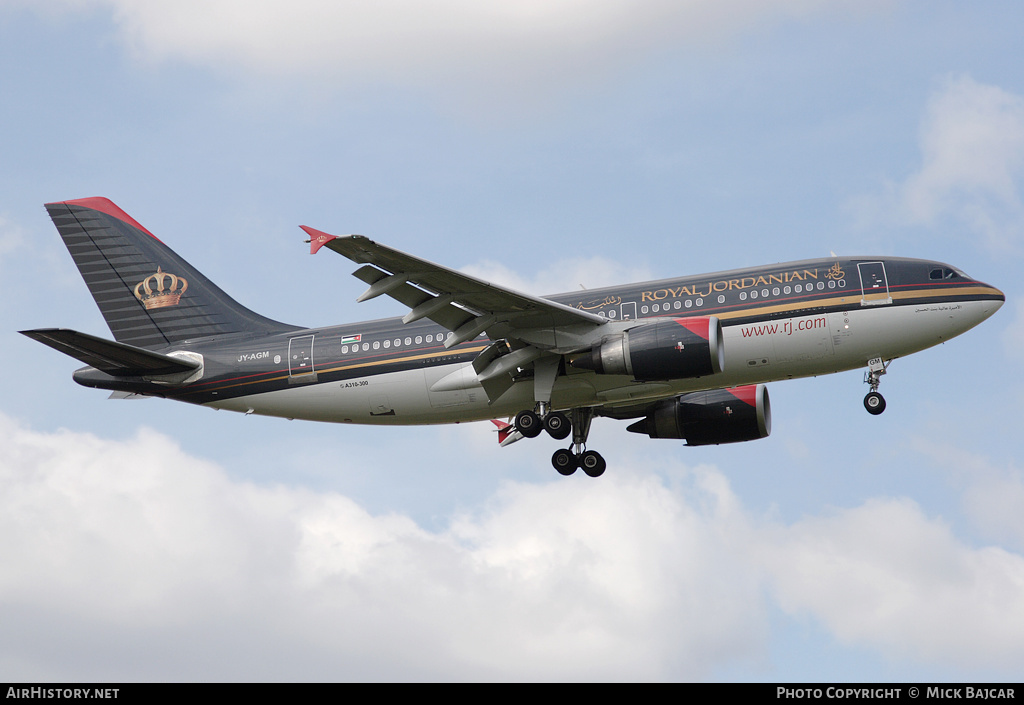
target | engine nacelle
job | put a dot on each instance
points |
(682, 348)
(711, 417)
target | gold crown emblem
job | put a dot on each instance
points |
(160, 289)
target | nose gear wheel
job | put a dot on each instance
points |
(875, 402)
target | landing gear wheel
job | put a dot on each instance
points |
(874, 403)
(557, 425)
(564, 461)
(592, 463)
(528, 424)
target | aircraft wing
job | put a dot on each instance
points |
(465, 305)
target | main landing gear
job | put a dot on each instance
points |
(559, 426)
(875, 402)
(530, 424)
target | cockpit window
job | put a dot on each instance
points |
(940, 273)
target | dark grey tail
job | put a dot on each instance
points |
(149, 296)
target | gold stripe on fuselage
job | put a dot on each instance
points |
(354, 366)
(854, 298)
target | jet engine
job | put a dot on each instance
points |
(711, 417)
(681, 348)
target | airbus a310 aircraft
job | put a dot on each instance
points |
(688, 358)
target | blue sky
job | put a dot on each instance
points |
(543, 145)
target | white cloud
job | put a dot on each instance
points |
(525, 47)
(972, 163)
(128, 542)
(884, 575)
(991, 494)
(142, 562)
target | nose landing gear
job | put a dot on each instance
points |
(875, 402)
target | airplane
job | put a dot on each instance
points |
(686, 358)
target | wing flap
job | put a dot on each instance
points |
(440, 310)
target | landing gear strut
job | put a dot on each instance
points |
(875, 402)
(557, 424)
(566, 460)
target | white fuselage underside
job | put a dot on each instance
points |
(770, 350)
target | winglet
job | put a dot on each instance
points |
(317, 239)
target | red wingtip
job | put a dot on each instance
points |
(504, 430)
(105, 205)
(317, 238)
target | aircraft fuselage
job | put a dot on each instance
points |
(781, 321)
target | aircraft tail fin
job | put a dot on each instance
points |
(149, 296)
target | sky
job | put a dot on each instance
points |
(543, 145)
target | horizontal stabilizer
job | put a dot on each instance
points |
(117, 359)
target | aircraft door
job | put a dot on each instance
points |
(300, 359)
(627, 310)
(874, 285)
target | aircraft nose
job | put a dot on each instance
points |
(993, 297)
(996, 294)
